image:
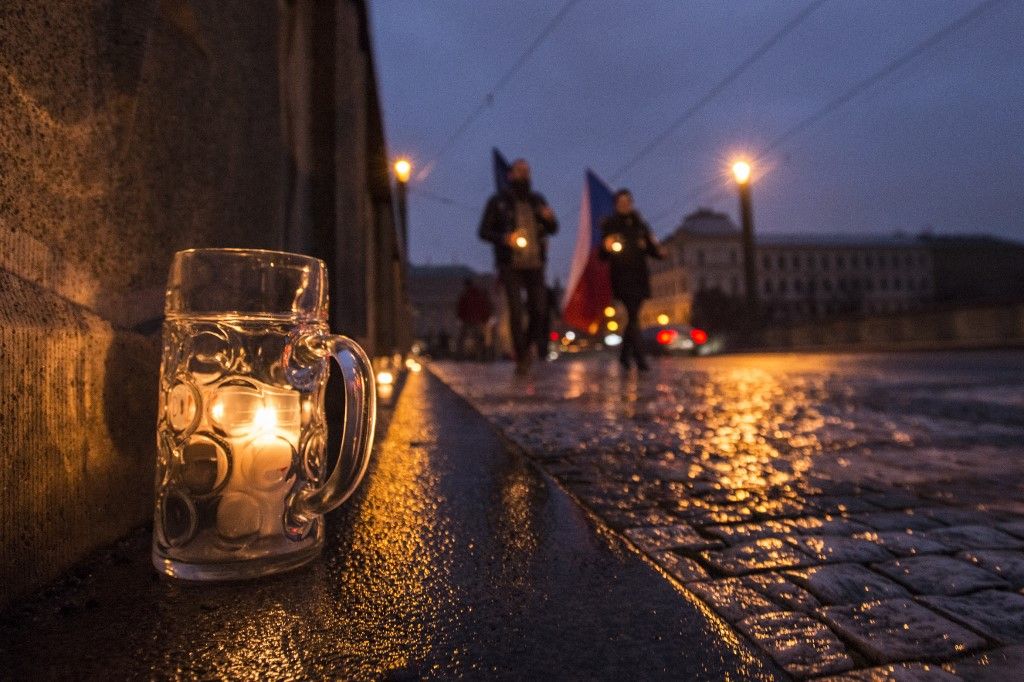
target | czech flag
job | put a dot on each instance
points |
(590, 288)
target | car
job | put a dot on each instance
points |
(676, 339)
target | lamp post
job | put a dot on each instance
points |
(403, 169)
(741, 171)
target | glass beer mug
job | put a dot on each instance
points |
(241, 481)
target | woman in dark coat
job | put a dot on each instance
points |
(626, 243)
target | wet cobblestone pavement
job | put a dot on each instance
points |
(854, 516)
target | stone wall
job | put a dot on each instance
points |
(129, 130)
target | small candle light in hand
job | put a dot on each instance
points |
(616, 246)
(521, 242)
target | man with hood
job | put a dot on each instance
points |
(518, 221)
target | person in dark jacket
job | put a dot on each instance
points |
(626, 243)
(473, 311)
(518, 221)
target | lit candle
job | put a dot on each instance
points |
(616, 246)
(263, 425)
(521, 242)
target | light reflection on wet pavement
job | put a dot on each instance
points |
(456, 559)
(761, 468)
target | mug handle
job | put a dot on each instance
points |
(358, 426)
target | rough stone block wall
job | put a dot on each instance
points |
(128, 130)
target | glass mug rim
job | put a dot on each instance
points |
(300, 276)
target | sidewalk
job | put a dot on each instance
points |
(853, 516)
(456, 559)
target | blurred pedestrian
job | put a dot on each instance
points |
(473, 311)
(626, 244)
(518, 221)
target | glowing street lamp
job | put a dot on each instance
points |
(613, 325)
(663, 319)
(741, 170)
(609, 311)
(403, 171)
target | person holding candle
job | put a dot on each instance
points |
(518, 222)
(626, 244)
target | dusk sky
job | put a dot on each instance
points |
(938, 144)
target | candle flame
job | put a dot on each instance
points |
(521, 242)
(265, 419)
(616, 246)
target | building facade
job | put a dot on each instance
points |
(799, 277)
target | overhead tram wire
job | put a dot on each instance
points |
(721, 85)
(488, 99)
(441, 199)
(857, 88)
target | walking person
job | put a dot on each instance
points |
(473, 311)
(626, 244)
(518, 222)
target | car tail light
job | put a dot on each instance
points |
(698, 336)
(666, 336)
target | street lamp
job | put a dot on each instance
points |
(741, 171)
(403, 170)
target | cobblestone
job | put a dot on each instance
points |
(900, 672)
(995, 614)
(974, 537)
(1006, 564)
(822, 480)
(896, 630)
(835, 549)
(756, 555)
(682, 569)
(678, 536)
(839, 584)
(733, 600)
(905, 544)
(940, 575)
(800, 644)
(1000, 665)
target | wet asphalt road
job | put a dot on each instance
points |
(457, 558)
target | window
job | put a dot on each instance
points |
(796, 262)
(782, 286)
(840, 262)
(897, 284)
(869, 285)
(700, 257)
(768, 287)
(884, 284)
(824, 261)
(842, 284)
(798, 286)
(855, 260)
(826, 284)
(734, 286)
(766, 261)
(782, 262)
(908, 260)
(869, 261)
